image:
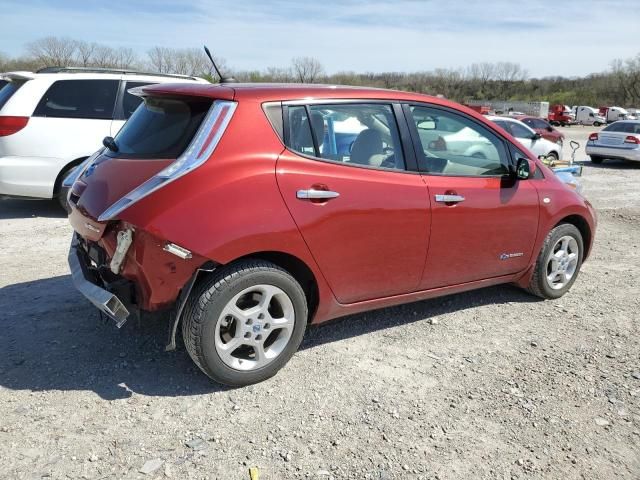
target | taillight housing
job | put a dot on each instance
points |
(199, 150)
(632, 140)
(593, 137)
(11, 125)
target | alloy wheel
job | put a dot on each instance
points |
(562, 262)
(254, 327)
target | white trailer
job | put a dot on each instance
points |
(586, 115)
(618, 113)
(504, 107)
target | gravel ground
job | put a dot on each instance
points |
(486, 384)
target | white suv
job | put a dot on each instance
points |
(51, 120)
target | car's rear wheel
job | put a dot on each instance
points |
(62, 192)
(596, 160)
(558, 263)
(244, 323)
(553, 156)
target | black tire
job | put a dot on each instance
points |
(62, 192)
(553, 155)
(206, 303)
(538, 285)
(596, 160)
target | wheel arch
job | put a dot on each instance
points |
(583, 227)
(59, 178)
(298, 269)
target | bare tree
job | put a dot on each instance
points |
(306, 69)
(160, 59)
(188, 61)
(53, 51)
(84, 52)
(509, 72)
(124, 58)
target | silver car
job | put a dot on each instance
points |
(619, 140)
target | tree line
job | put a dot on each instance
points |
(619, 85)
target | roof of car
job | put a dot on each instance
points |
(264, 92)
(493, 118)
(89, 73)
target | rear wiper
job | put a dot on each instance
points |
(110, 143)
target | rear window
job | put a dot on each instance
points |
(7, 90)
(614, 127)
(160, 128)
(92, 99)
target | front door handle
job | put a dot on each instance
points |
(449, 198)
(313, 194)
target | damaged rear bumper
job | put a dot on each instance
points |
(88, 283)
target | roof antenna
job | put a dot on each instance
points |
(222, 79)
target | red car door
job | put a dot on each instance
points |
(483, 222)
(364, 217)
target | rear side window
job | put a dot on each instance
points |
(131, 102)
(160, 128)
(7, 91)
(353, 134)
(92, 99)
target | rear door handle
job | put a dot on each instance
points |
(313, 194)
(449, 198)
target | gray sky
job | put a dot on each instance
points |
(560, 37)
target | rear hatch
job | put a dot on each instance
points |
(151, 148)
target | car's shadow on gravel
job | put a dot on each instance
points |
(53, 339)
(11, 208)
(376, 320)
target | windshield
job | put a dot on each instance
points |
(160, 128)
(8, 90)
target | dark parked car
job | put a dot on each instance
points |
(542, 127)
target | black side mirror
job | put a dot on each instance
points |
(522, 169)
(549, 128)
(110, 143)
(536, 136)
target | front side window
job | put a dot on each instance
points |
(456, 145)
(161, 128)
(92, 99)
(353, 134)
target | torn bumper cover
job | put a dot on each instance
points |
(88, 283)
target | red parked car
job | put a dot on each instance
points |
(250, 211)
(542, 127)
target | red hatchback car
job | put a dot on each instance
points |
(544, 128)
(250, 211)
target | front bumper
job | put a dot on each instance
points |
(87, 283)
(624, 153)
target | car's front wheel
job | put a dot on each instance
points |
(244, 323)
(558, 263)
